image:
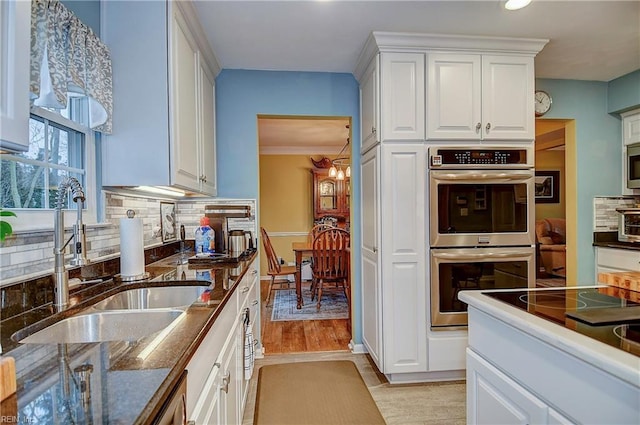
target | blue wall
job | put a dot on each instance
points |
(599, 150)
(624, 92)
(88, 11)
(241, 95)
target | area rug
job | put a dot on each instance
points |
(314, 393)
(333, 306)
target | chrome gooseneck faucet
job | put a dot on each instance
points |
(61, 276)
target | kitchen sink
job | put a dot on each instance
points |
(104, 326)
(150, 298)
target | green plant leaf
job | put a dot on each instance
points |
(7, 214)
(5, 230)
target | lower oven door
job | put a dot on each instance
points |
(454, 270)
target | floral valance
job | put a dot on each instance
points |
(67, 57)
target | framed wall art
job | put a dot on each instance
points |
(547, 186)
(168, 221)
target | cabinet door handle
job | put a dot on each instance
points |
(375, 249)
(478, 127)
(204, 179)
(245, 289)
(373, 130)
(225, 382)
(255, 302)
(488, 127)
(254, 272)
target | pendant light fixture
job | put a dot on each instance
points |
(337, 172)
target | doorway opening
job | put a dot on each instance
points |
(291, 148)
(554, 214)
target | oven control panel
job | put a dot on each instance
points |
(474, 157)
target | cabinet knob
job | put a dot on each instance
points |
(478, 127)
(375, 249)
(204, 179)
(373, 130)
(488, 127)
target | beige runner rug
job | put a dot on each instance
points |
(314, 393)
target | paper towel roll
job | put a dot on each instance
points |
(131, 247)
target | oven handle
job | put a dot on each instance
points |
(515, 253)
(482, 176)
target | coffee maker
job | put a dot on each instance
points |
(218, 221)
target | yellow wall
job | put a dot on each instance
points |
(285, 201)
(552, 160)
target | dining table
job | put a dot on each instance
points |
(301, 249)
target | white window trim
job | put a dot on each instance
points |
(32, 220)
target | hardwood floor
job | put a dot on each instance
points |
(300, 336)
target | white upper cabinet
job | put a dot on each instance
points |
(15, 18)
(402, 96)
(164, 87)
(370, 112)
(480, 97)
(631, 127)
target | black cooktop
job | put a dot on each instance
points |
(574, 308)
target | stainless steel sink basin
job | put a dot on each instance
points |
(105, 326)
(149, 298)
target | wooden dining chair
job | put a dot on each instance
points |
(317, 229)
(330, 260)
(274, 267)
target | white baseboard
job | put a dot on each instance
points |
(357, 348)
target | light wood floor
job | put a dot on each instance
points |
(300, 336)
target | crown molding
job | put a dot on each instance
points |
(380, 41)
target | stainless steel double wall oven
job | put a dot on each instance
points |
(481, 216)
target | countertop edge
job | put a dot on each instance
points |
(609, 359)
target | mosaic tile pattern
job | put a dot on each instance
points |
(605, 216)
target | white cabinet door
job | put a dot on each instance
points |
(480, 97)
(493, 398)
(403, 257)
(369, 106)
(631, 127)
(184, 104)
(402, 96)
(454, 93)
(207, 174)
(15, 17)
(230, 413)
(507, 98)
(371, 292)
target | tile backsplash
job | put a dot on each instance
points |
(27, 255)
(605, 216)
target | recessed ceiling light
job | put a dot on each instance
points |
(516, 4)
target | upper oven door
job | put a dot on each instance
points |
(481, 208)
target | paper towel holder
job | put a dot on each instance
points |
(142, 276)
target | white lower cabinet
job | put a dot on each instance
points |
(216, 384)
(394, 302)
(494, 398)
(611, 260)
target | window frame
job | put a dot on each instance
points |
(32, 219)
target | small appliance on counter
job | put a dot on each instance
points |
(629, 227)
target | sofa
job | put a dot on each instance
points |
(551, 246)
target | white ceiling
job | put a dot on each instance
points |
(589, 40)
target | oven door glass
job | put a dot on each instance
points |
(471, 208)
(455, 270)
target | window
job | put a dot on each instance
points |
(59, 147)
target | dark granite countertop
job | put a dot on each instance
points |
(610, 240)
(125, 388)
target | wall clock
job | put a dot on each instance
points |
(543, 102)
